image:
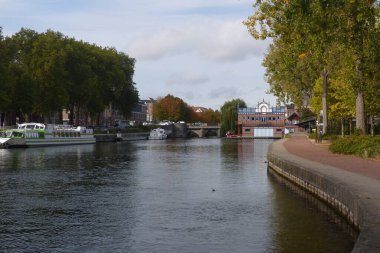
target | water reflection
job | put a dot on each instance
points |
(37, 158)
(301, 225)
(152, 196)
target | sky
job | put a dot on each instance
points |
(197, 50)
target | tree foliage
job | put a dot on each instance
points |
(336, 37)
(43, 73)
(229, 115)
(171, 108)
(208, 116)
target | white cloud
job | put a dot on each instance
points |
(190, 78)
(209, 39)
(223, 92)
(165, 42)
(178, 44)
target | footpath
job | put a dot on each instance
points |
(301, 146)
(350, 184)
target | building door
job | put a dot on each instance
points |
(263, 132)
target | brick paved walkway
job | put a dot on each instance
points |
(301, 146)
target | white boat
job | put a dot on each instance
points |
(36, 134)
(158, 134)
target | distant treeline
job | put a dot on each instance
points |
(43, 73)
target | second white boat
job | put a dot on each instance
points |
(158, 134)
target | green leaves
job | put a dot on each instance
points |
(229, 115)
(43, 73)
(308, 36)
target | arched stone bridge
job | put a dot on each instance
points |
(204, 131)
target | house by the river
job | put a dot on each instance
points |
(264, 121)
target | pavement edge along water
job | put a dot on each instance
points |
(353, 196)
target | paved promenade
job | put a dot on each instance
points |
(350, 184)
(301, 146)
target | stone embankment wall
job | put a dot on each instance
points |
(354, 196)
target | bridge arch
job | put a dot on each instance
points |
(203, 131)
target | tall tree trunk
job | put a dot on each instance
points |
(71, 115)
(342, 124)
(77, 115)
(360, 115)
(86, 118)
(372, 125)
(324, 99)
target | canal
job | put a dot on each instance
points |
(198, 195)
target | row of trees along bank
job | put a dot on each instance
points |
(43, 73)
(175, 109)
(324, 50)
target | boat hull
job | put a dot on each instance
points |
(25, 142)
(157, 138)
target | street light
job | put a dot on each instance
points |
(316, 131)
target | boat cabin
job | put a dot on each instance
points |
(31, 126)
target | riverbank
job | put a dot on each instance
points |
(349, 184)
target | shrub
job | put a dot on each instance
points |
(364, 146)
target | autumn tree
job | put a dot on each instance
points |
(209, 116)
(171, 108)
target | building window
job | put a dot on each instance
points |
(247, 130)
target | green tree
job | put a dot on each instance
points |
(48, 70)
(42, 73)
(24, 87)
(80, 76)
(314, 30)
(5, 98)
(126, 94)
(229, 115)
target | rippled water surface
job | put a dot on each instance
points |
(199, 195)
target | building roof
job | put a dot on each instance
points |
(199, 109)
(250, 110)
(294, 115)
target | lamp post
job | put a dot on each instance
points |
(316, 131)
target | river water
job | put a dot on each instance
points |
(198, 195)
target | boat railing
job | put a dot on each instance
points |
(69, 129)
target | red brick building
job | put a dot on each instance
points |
(262, 121)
